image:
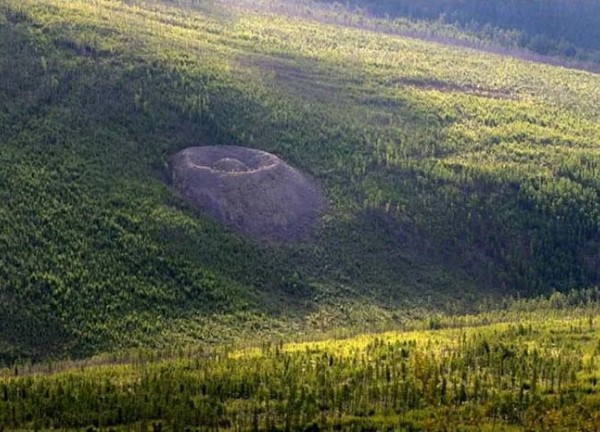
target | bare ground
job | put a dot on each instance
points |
(252, 191)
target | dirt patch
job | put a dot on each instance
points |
(251, 191)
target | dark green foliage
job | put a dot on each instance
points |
(568, 28)
(440, 189)
(502, 374)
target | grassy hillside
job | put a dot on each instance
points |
(450, 174)
(533, 366)
(563, 28)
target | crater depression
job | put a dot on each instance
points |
(252, 191)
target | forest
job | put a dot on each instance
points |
(451, 285)
(549, 27)
(478, 372)
(451, 175)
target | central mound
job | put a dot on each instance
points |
(252, 191)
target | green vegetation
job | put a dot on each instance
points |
(482, 372)
(563, 28)
(454, 180)
(451, 175)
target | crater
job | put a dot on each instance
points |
(251, 191)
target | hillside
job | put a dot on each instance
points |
(531, 367)
(565, 28)
(451, 175)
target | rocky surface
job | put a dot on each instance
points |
(251, 191)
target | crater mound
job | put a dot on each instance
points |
(251, 191)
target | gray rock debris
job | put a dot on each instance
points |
(251, 191)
